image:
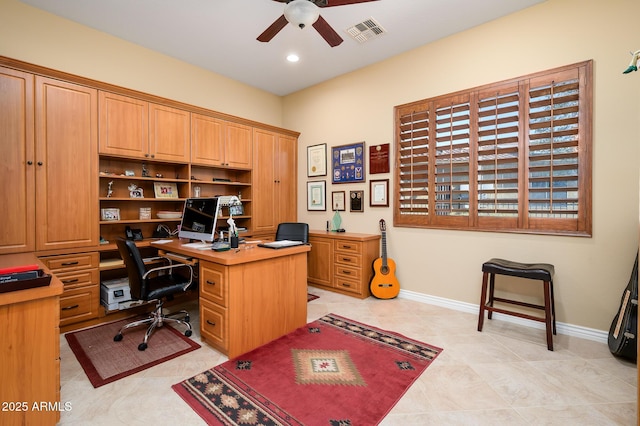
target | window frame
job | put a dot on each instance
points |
(539, 144)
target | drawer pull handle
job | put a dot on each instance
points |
(68, 308)
(346, 259)
(346, 247)
(75, 280)
(211, 282)
(211, 323)
(346, 272)
(346, 285)
(69, 263)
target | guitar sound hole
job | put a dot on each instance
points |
(384, 270)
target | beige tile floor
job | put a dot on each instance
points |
(502, 376)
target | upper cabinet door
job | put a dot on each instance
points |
(123, 126)
(17, 162)
(169, 134)
(238, 145)
(66, 118)
(207, 140)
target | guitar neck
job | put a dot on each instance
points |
(384, 249)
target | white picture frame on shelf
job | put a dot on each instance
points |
(110, 214)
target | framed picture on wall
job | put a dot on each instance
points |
(379, 193)
(356, 201)
(317, 160)
(337, 201)
(347, 163)
(316, 195)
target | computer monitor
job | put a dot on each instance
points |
(199, 219)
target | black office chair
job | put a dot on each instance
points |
(294, 231)
(149, 286)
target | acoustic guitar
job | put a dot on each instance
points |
(624, 327)
(384, 284)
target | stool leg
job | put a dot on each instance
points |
(548, 314)
(553, 307)
(492, 287)
(483, 300)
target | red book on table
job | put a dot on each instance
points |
(23, 268)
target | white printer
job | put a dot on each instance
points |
(113, 292)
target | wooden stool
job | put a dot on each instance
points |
(533, 271)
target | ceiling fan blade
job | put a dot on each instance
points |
(273, 29)
(331, 3)
(327, 33)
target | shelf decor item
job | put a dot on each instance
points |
(165, 190)
(110, 214)
(347, 163)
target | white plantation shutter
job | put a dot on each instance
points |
(512, 156)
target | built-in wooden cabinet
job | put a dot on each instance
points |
(274, 180)
(342, 261)
(216, 142)
(49, 139)
(132, 127)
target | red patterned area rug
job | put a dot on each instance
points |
(311, 297)
(105, 361)
(333, 371)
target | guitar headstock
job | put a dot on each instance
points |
(383, 225)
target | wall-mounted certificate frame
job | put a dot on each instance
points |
(317, 160)
(316, 196)
(347, 163)
(356, 201)
(379, 159)
(337, 201)
(379, 193)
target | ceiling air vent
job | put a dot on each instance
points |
(366, 30)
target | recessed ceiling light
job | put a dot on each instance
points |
(293, 57)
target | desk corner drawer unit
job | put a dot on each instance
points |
(342, 262)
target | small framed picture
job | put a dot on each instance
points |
(165, 190)
(317, 160)
(379, 193)
(110, 214)
(356, 201)
(316, 195)
(337, 201)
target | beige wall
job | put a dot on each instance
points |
(38, 37)
(590, 272)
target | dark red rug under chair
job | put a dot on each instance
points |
(311, 297)
(105, 361)
(333, 371)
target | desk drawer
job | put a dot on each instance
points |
(213, 283)
(71, 262)
(78, 305)
(213, 324)
(347, 272)
(354, 247)
(349, 259)
(79, 278)
(347, 284)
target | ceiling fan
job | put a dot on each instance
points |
(305, 12)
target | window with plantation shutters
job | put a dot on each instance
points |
(513, 156)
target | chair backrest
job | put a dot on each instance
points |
(135, 268)
(294, 231)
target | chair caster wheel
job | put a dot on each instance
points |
(117, 337)
(187, 319)
(142, 346)
(188, 333)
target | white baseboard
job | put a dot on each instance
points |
(561, 328)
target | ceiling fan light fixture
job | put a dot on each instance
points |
(301, 13)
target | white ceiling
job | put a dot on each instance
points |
(220, 35)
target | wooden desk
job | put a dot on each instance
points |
(30, 350)
(248, 296)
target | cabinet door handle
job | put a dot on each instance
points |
(75, 280)
(40, 163)
(68, 308)
(70, 263)
(30, 162)
(211, 282)
(211, 323)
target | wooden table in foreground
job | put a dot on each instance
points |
(30, 350)
(248, 296)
